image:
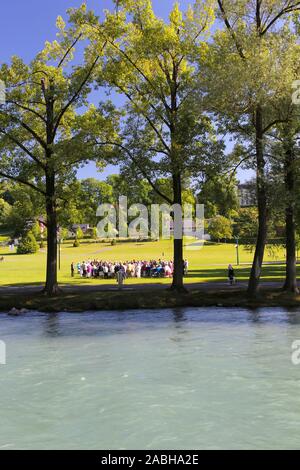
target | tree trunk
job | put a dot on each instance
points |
(51, 287)
(262, 207)
(178, 266)
(290, 284)
(177, 284)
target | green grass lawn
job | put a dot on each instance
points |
(206, 264)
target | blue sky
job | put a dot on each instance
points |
(25, 25)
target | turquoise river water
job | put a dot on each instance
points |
(173, 379)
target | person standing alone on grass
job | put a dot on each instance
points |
(185, 267)
(231, 278)
(120, 277)
(72, 269)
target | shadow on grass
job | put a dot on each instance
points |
(23, 284)
(269, 273)
(11, 253)
(88, 284)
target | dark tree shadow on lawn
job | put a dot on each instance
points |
(269, 273)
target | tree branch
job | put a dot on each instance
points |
(69, 50)
(22, 147)
(131, 156)
(284, 11)
(27, 128)
(137, 68)
(75, 96)
(231, 30)
(145, 116)
(273, 123)
(26, 108)
(22, 181)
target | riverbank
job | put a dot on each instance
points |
(83, 300)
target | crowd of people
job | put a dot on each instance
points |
(137, 269)
(132, 269)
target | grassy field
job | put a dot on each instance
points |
(206, 264)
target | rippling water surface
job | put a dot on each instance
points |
(173, 379)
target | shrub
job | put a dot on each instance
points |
(76, 244)
(36, 231)
(79, 234)
(220, 227)
(246, 223)
(64, 233)
(94, 233)
(28, 244)
(113, 242)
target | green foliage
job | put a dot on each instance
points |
(111, 231)
(219, 196)
(64, 233)
(94, 233)
(95, 192)
(178, 77)
(76, 243)
(36, 230)
(79, 234)
(47, 127)
(246, 223)
(220, 228)
(127, 184)
(27, 244)
(26, 207)
(153, 64)
(5, 210)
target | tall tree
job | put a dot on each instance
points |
(95, 192)
(284, 151)
(42, 139)
(153, 64)
(220, 196)
(290, 162)
(249, 62)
